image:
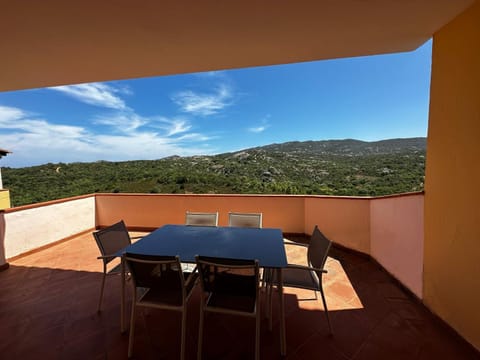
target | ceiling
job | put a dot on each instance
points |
(56, 42)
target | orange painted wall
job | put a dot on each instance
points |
(396, 242)
(345, 221)
(452, 187)
(153, 210)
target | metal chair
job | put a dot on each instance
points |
(110, 242)
(201, 218)
(249, 220)
(306, 277)
(159, 282)
(253, 220)
(230, 286)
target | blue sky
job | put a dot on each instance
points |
(366, 98)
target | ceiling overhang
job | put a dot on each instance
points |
(56, 42)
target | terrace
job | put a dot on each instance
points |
(49, 295)
(429, 242)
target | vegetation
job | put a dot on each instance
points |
(334, 167)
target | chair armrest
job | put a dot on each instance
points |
(295, 244)
(107, 256)
(307, 268)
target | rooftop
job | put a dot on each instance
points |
(49, 298)
(4, 152)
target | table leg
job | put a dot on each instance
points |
(122, 302)
(283, 340)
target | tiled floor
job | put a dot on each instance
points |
(48, 306)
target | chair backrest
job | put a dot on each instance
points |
(162, 273)
(201, 218)
(112, 239)
(253, 220)
(318, 248)
(228, 276)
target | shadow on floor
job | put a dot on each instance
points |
(51, 313)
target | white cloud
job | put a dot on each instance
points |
(96, 94)
(178, 126)
(204, 103)
(260, 128)
(17, 119)
(257, 129)
(170, 126)
(10, 114)
(36, 141)
(125, 122)
(194, 137)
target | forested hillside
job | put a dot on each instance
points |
(333, 167)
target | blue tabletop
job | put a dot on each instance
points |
(264, 245)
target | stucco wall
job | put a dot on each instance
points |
(29, 229)
(396, 242)
(154, 210)
(452, 191)
(345, 221)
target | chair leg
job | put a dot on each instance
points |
(184, 326)
(326, 309)
(132, 325)
(101, 289)
(200, 329)
(267, 300)
(270, 299)
(264, 274)
(270, 306)
(257, 335)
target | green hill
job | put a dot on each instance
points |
(332, 167)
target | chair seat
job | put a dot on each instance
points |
(244, 304)
(237, 292)
(294, 278)
(300, 278)
(155, 296)
(235, 284)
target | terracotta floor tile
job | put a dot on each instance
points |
(392, 339)
(48, 310)
(318, 347)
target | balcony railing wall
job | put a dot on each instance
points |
(396, 238)
(390, 229)
(346, 220)
(31, 227)
(152, 210)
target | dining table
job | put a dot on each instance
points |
(186, 241)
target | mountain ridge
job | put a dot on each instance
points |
(325, 167)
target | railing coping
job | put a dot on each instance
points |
(46, 203)
(59, 201)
